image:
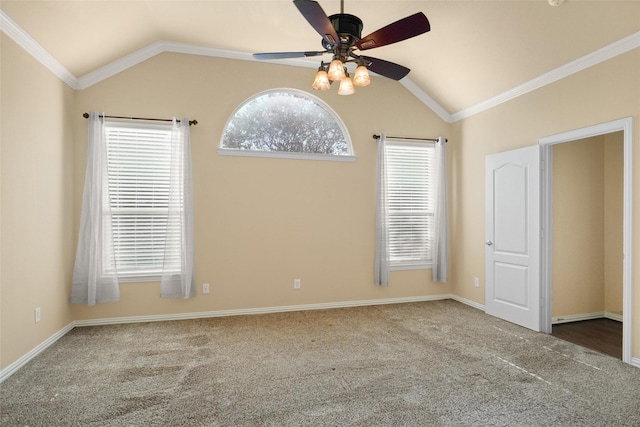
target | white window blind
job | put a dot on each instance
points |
(410, 203)
(139, 161)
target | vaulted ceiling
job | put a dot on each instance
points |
(476, 51)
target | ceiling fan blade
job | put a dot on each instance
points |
(385, 68)
(403, 29)
(285, 55)
(313, 13)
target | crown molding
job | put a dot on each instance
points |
(159, 47)
(596, 57)
(24, 40)
(120, 65)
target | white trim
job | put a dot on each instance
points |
(596, 57)
(635, 361)
(119, 65)
(162, 46)
(13, 367)
(618, 317)
(285, 155)
(28, 43)
(259, 310)
(468, 302)
(577, 317)
(547, 143)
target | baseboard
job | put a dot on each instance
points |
(635, 361)
(12, 368)
(468, 302)
(587, 316)
(259, 310)
(577, 317)
(613, 316)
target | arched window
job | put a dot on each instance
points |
(286, 123)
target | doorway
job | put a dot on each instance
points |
(547, 144)
(587, 242)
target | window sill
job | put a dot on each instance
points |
(285, 155)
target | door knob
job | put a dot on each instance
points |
(488, 243)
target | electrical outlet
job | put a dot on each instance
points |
(36, 314)
(476, 282)
(296, 284)
(205, 288)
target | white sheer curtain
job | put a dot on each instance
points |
(382, 219)
(91, 283)
(178, 278)
(440, 247)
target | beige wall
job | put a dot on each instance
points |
(37, 202)
(578, 227)
(602, 93)
(261, 223)
(587, 226)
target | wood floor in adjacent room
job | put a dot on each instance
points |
(603, 335)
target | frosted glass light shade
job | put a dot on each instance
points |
(361, 76)
(321, 81)
(336, 70)
(346, 86)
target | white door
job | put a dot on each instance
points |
(512, 243)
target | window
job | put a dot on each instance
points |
(410, 203)
(286, 123)
(139, 161)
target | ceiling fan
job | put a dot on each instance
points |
(341, 36)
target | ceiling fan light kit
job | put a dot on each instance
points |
(341, 36)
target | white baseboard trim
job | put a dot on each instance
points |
(577, 317)
(613, 316)
(259, 310)
(468, 302)
(12, 368)
(635, 361)
(587, 316)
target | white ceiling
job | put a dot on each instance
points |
(475, 51)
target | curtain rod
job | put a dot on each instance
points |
(191, 122)
(415, 139)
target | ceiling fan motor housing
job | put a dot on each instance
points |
(348, 27)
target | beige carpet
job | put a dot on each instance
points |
(421, 364)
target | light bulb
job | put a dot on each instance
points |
(321, 81)
(346, 86)
(361, 76)
(336, 70)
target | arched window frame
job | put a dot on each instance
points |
(288, 154)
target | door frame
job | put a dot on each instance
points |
(547, 143)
